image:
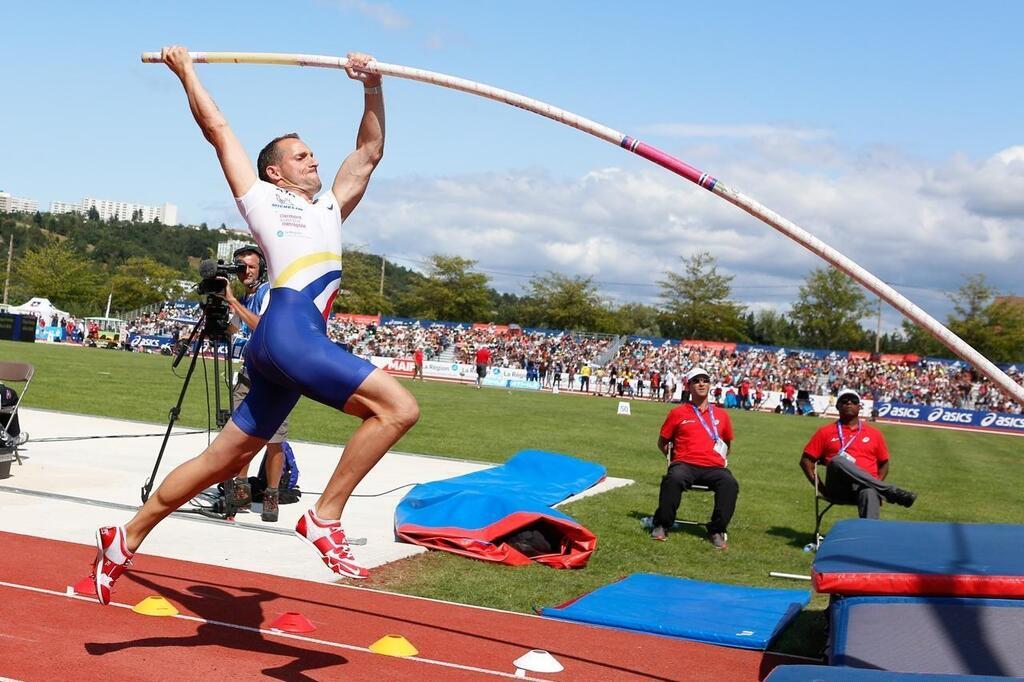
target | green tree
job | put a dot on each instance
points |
(995, 328)
(697, 303)
(770, 328)
(56, 272)
(914, 339)
(828, 311)
(970, 319)
(451, 291)
(361, 285)
(142, 281)
(560, 302)
(637, 318)
(1007, 319)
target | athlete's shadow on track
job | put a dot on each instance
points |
(238, 619)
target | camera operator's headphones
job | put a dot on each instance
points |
(252, 248)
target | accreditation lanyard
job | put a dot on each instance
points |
(843, 444)
(713, 430)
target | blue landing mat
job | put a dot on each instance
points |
(824, 673)
(872, 557)
(729, 615)
(943, 635)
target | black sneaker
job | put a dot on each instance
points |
(270, 503)
(904, 498)
(237, 495)
(718, 540)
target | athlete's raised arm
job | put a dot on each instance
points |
(354, 175)
(234, 161)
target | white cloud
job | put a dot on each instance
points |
(903, 220)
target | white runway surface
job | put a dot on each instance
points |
(99, 471)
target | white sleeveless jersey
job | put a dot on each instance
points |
(301, 241)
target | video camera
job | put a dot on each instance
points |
(210, 270)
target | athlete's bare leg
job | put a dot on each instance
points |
(387, 411)
(231, 449)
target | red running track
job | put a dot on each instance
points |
(225, 613)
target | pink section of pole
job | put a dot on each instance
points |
(668, 161)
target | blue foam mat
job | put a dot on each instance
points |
(937, 635)
(729, 615)
(865, 547)
(824, 673)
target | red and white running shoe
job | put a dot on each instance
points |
(112, 559)
(328, 539)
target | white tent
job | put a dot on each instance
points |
(40, 307)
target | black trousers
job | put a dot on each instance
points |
(681, 476)
(847, 483)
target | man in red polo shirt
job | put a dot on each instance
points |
(417, 363)
(696, 439)
(483, 361)
(856, 461)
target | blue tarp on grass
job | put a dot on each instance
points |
(730, 615)
(475, 514)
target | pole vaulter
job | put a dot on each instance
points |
(950, 340)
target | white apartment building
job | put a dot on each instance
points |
(9, 204)
(64, 207)
(225, 249)
(120, 210)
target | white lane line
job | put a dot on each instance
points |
(277, 633)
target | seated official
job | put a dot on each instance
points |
(856, 461)
(696, 439)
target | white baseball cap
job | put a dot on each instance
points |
(697, 372)
(846, 392)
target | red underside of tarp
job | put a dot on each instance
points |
(577, 543)
(924, 585)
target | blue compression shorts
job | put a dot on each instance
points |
(289, 355)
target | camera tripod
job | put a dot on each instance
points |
(212, 326)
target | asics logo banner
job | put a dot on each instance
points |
(952, 416)
(898, 411)
(1003, 420)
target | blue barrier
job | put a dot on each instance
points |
(952, 416)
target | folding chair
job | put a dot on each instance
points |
(819, 513)
(648, 521)
(14, 371)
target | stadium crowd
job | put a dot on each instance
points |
(644, 369)
(921, 382)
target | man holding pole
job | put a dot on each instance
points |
(289, 354)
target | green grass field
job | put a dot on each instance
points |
(959, 476)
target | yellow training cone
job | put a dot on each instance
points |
(155, 606)
(393, 645)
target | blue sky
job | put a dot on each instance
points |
(891, 130)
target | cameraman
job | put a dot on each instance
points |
(246, 315)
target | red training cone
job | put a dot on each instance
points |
(292, 622)
(86, 586)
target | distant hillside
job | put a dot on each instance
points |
(111, 243)
(105, 246)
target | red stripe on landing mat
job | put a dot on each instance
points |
(45, 636)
